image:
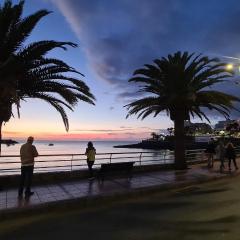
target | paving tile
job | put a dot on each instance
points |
(79, 195)
(2, 207)
(61, 197)
(14, 204)
(135, 185)
(32, 202)
(3, 198)
(46, 199)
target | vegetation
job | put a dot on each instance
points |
(171, 131)
(233, 129)
(26, 71)
(179, 84)
(155, 136)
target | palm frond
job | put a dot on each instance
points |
(26, 72)
(181, 81)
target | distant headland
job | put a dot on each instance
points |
(8, 142)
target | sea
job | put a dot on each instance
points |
(68, 147)
(105, 153)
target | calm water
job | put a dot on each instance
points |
(76, 147)
(71, 147)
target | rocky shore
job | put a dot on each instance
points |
(158, 145)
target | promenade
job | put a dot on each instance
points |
(89, 191)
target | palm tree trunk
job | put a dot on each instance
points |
(1, 138)
(180, 161)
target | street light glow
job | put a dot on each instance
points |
(229, 66)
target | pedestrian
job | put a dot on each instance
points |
(27, 153)
(221, 154)
(90, 153)
(210, 151)
(231, 155)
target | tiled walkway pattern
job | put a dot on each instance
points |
(86, 188)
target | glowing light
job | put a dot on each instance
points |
(229, 66)
(222, 132)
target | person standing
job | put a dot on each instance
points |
(231, 155)
(27, 153)
(221, 154)
(90, 153)
(210, 151)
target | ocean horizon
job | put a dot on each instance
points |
(69, 146)
(74, 147)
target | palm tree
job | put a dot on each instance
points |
(170, 130)
(179, 84)
(26, 71)
(155, 136)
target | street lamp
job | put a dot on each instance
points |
(229, 66)
(232, 67)
(222, 132)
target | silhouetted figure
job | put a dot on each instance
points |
(231, 155)
(210, 151)
(221, 154)
(90, 153)
(27, 152)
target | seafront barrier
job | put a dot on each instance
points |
(10, 164)
(54, 168)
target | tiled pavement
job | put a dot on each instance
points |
(69, 191)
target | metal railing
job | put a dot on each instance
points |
(10, 164)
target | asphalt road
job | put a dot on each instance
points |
(206, 211)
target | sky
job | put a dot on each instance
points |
(115, 38)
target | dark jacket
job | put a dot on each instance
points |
(210, 148)
(230, 151)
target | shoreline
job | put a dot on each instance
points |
(161, 145)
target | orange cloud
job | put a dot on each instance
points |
(99, 134)
(88, 136)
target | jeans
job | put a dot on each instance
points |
(234, 162)
(26, 179)
(90, 164)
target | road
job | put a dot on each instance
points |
(204, 211)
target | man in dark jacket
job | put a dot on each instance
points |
(27, 153)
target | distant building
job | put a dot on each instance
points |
(221, 125)
(197, 128)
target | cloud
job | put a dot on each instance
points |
(120, 36)
(98, 130)
(122, 129)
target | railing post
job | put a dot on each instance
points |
(164, 156)
(71, 163)
(110, 157)
(202, 155)
(140, 159)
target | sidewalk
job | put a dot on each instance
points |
(60, 193)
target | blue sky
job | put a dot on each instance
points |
(116, 37)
